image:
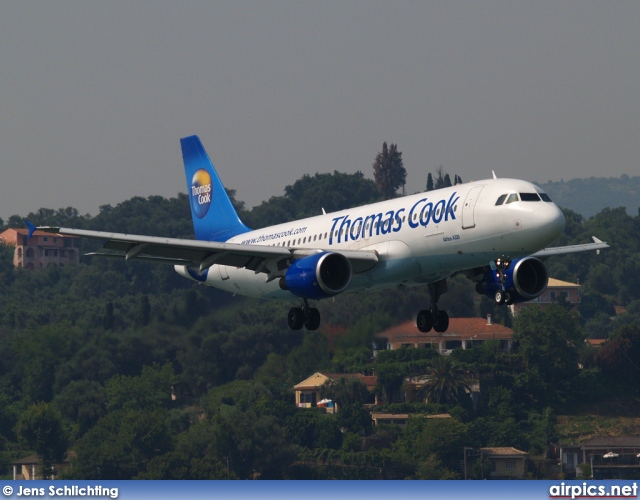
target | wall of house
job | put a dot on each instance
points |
(509, 467)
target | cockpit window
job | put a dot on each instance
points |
(544, 196)
(501, 200)
(529, 197)
(513, 197)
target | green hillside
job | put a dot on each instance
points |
(589, 196)
(147, 375)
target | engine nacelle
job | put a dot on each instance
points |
(526, 278)
(318, 276)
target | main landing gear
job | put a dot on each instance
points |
(434, 317)
(503, 296)
(305, 315)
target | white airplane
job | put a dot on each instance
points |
(494, 231)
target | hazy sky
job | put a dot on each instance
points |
(94, 96)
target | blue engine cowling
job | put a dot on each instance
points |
(525, 278)
(318, 276)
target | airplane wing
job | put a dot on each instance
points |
(597, 245)
(203, 254)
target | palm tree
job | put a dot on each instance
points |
(445, 382)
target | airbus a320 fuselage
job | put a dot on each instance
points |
(494, 231)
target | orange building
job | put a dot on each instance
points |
(556, 290)
(42, 249)
(462, 333)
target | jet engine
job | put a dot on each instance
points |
(525, 279)
(318, 276)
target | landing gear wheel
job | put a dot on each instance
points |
(441, 322)
(295, 318)
(509, 298)
(312, 320)
(424, 321)
(433, 317)
(499, 297)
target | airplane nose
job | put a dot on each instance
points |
(548, 220)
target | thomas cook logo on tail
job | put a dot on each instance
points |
(200, 193)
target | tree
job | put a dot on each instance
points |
(345, 391)
(40, 428)
(620, 357)
(594, 303)
(121, 444)
(307, 196)
(349, 395)
(143, 314)
(108, 321)
(442, 439)
(445, 382)
(430, 186)
(388, 171)
(442, 180)
(152, 389)
(439, 182)
(180, 465)
(312, 429)
(82, 402)
(548, 339)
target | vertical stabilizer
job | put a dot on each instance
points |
(214, 218)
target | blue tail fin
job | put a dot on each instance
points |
(214, 218)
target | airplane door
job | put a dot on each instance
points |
(468, 208)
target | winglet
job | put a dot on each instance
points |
(31, 228)
(596, 240)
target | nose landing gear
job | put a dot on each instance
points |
(503, 296)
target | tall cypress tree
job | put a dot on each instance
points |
(430, 182)
(388, 171)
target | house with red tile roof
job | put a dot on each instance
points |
(462, 333)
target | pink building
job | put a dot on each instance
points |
(42, 249)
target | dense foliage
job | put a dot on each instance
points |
(146, 375)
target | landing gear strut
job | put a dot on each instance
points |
(305, 315)
(503, 296)
(434, 317)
